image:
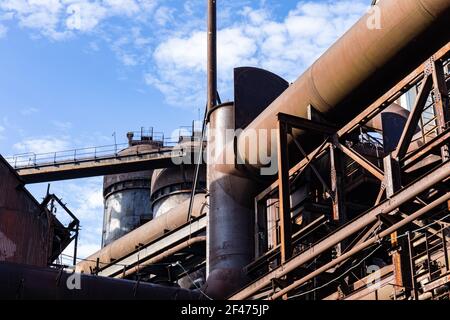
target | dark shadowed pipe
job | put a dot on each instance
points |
(32, 283)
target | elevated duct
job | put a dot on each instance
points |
(361, 66)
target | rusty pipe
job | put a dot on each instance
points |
(212, 55)
(143, 235)
(360, 66)
(230, 222)
(439, 174)
(162, 256)
(364, 245)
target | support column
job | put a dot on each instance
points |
(339, 212)
(441, 101)
(337, 196)
(284, 193)
(400, 254)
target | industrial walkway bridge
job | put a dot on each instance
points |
(91, 162)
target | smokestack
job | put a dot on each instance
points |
(212, 54)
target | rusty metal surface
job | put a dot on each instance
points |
(95, 167)
(143, 235)
(160, 245)
(212, 55)
(20, 282)
(440, 174)
(354, 72)
(26, 232)
(365, 244)
(170, 252)
(230, 227)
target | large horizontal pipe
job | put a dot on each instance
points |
(166, 254)
(405, 195)
(143, 235)
(361, 66)
(22, 282)
(363, 245)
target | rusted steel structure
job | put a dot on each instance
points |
(362, 183)
(362, 65)
(30, 233)
(411, 184)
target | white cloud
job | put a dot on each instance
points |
(28, 111)
(127, 7)
(164, 15)
(84, 198)
(3, 31)
(286, 47)
(93, 46)
(42, 145)
(42, 15)
(62, 125)
(58, 19)
(84, 250)
(84, 16)
(175, 52)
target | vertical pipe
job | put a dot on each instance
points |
(230, 239)
(212, 54)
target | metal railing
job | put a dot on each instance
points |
(32, 159)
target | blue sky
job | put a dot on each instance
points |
(75, 71)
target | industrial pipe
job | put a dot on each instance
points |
(361, 66)
(230, 222)
(162, 256)
(23, 282)
(143, 235)
(363, 245)
(410, 192)
(212, 55)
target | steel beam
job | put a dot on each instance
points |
(400, 257)
(441, 103)
(416, 113)
(363, 246)
(313, 167)
(284, 192)
(376, 172)
(337, 178)
(391, 95)
(309, 125)
(427, 149)
(403, 196)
